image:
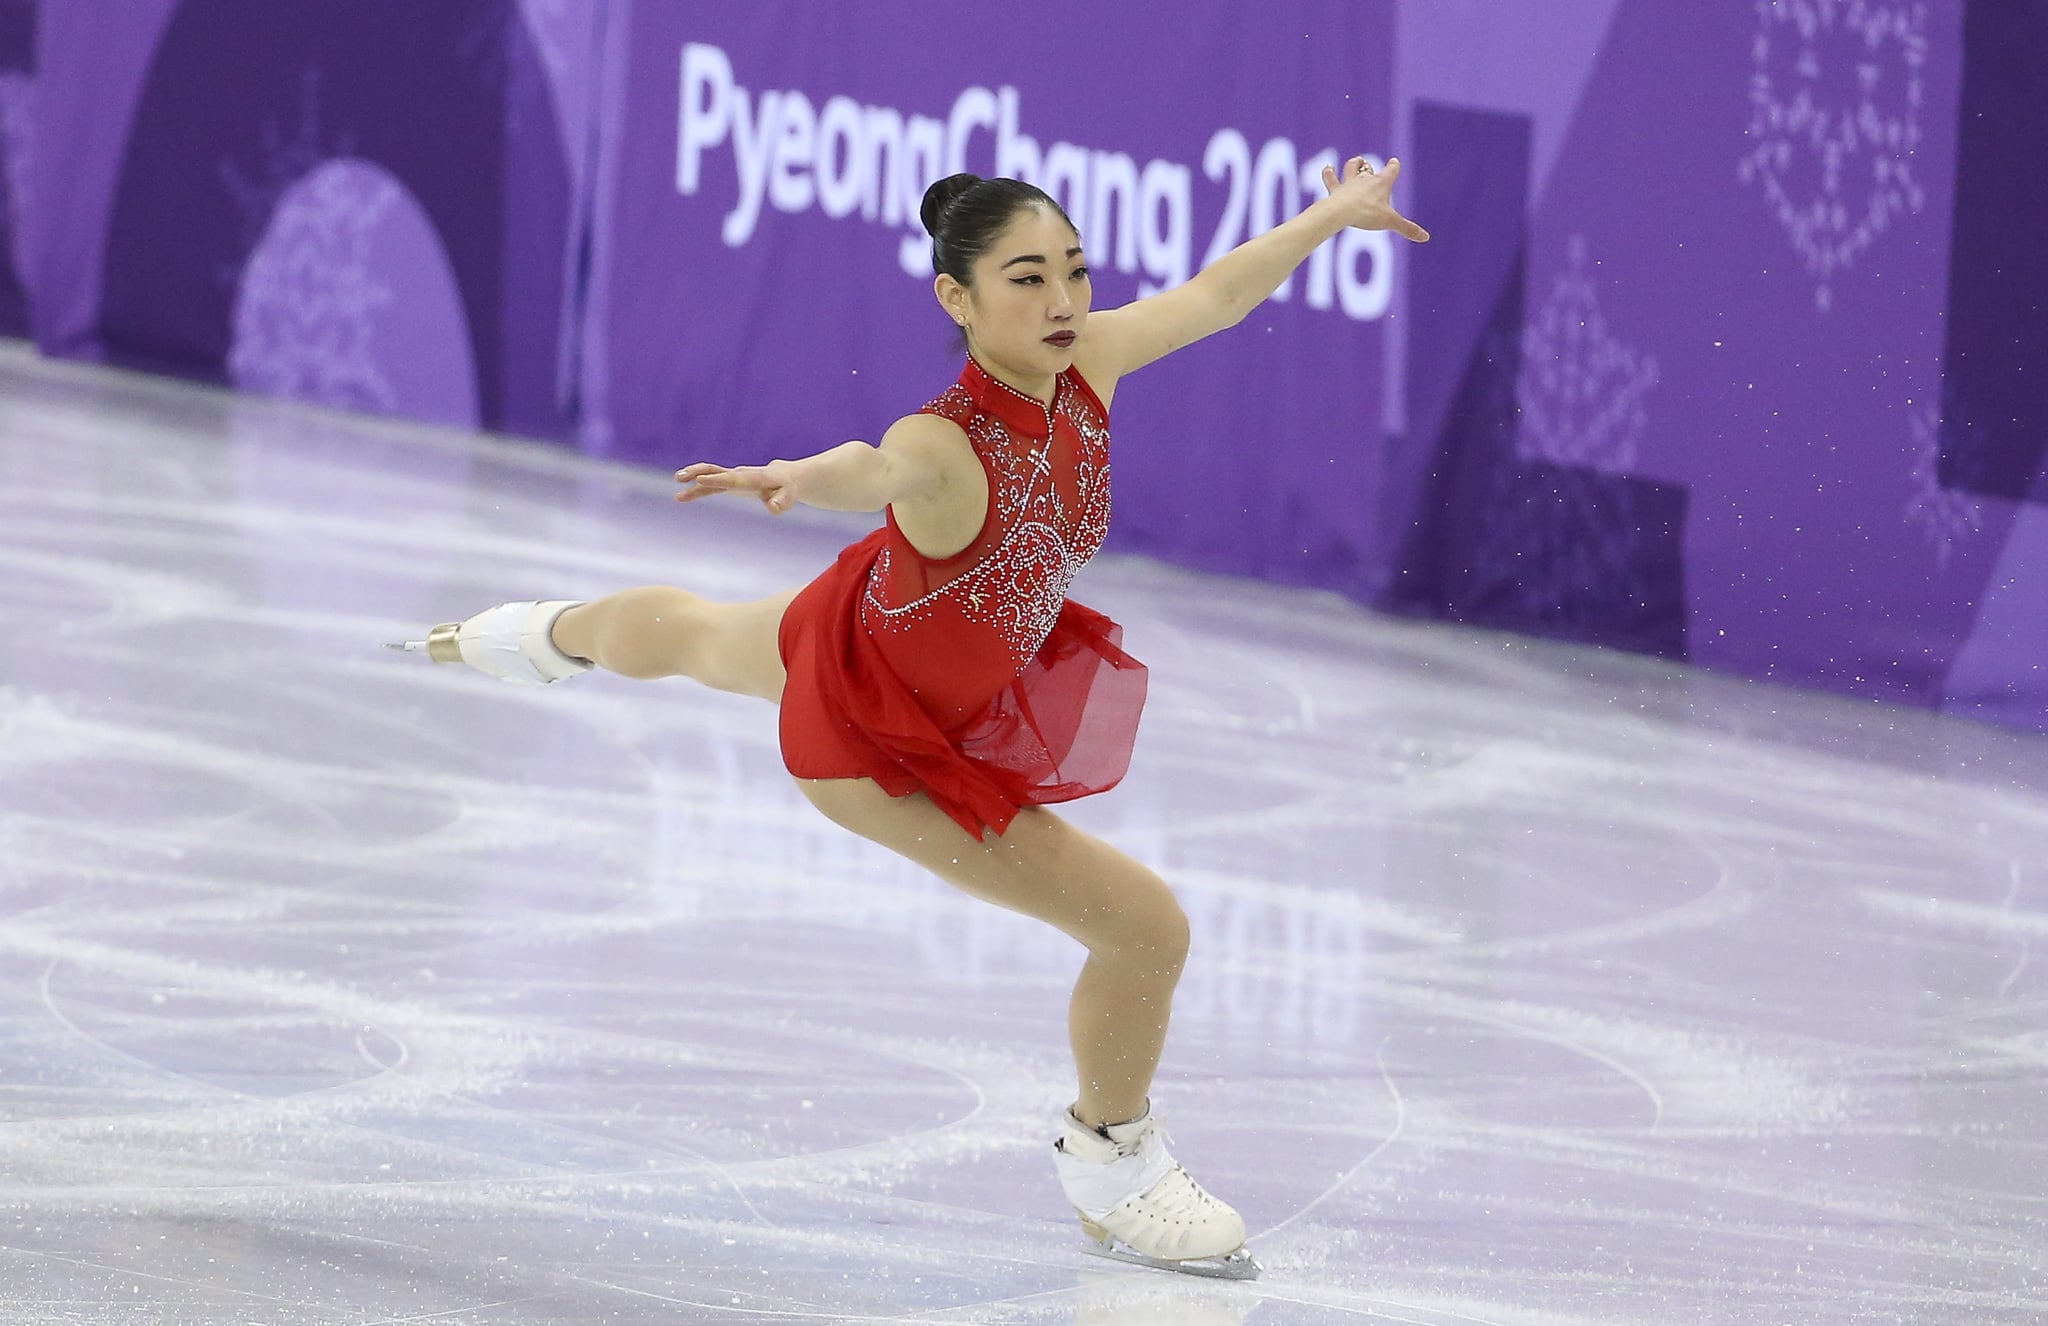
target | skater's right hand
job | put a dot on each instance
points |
(774, 483)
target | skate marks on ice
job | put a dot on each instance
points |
(1530, 985)
(1695, 1011)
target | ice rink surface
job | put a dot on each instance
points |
(1532, 985)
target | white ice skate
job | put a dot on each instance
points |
(513, 641)
(1140, 1206)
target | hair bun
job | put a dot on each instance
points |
(940, 196)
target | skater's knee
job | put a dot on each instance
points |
(1149, 928)
(1173, 936)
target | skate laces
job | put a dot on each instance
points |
(1183, 1198)
(1152, 1128)
(1177, 1194)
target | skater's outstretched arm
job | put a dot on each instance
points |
(919, 462)
(1123, 340)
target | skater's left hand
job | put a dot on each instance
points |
(1366, 195)
(774, 483)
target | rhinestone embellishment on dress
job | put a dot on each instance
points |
(1046, 535)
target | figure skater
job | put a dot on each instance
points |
(937, 688)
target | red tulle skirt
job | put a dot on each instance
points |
(1061, 729)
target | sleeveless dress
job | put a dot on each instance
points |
(973, 679)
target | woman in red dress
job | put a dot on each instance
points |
(937, 687)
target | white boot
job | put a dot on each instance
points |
(1140, 1205)
(513, 641)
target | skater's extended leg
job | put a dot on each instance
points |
(1135, 933)
(661, 631)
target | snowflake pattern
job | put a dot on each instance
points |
(1581, 392)
(287, 157)
(1945, 515)
(1835, 106)
(1019, 587)
(305, 319)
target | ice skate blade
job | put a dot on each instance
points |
(443, 644)
(1239, 1265)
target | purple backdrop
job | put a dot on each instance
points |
(772, 290)
(1722, 351)
(17, 155)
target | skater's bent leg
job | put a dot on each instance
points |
(1134, 930)
(661, 631)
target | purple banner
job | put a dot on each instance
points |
(1760, 328)
(1723, 349)
(369, 206)
(773, 284)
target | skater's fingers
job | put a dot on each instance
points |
(707, 485)
(730, 481)
(706, 480)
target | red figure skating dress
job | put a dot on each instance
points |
(973, 679)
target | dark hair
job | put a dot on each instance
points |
(965, 213)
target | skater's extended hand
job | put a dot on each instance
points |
(774, 483)
(1366, 196)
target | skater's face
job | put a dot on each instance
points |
(1028, 305)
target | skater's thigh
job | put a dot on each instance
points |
(741, 649)
(1042, 866)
